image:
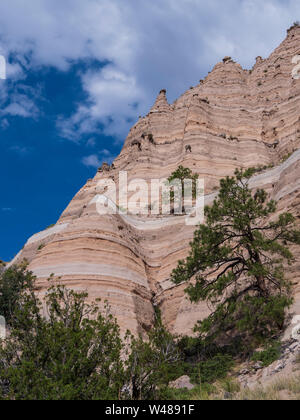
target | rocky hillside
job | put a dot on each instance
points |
(233, 118)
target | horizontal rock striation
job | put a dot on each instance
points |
(233, 118)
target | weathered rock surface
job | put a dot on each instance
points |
(234, 118)
(184, 382)
(284, 367)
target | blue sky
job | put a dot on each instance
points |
(79, 73)
(40, 170)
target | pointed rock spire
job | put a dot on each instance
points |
(161, 103)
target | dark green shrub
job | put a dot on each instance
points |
(269, 355)
(13, 282)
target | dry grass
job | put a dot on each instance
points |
(281, 389)
(284, 388)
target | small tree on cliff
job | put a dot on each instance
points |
(182, 174)
(236, 264)
(185, 184)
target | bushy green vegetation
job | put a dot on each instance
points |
(187, 190)
(183, 174)
(2, 266)
(269, 355)
(152, 363)
(261, 168)
(236, 265)
(72, 354)
(13, 282)
(205, 363)
(208, 371)
(62, 348)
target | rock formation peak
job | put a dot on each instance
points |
(161, 104)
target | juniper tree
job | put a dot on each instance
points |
(236, 263)
(13, 282)
(72, 354)
(151, 363)
(62, 348)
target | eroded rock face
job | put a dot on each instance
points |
(234, 118)
(284, 367)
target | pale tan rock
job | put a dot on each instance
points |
(184, 382)
(234, 118)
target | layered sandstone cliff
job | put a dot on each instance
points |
(233, 118)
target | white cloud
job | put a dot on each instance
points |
(114, 98)
(91, 142)
(107, 156)
(21, 106)
(96, 160)
(4, 124)
(91, 161)
(146, 45)
(20, 150)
